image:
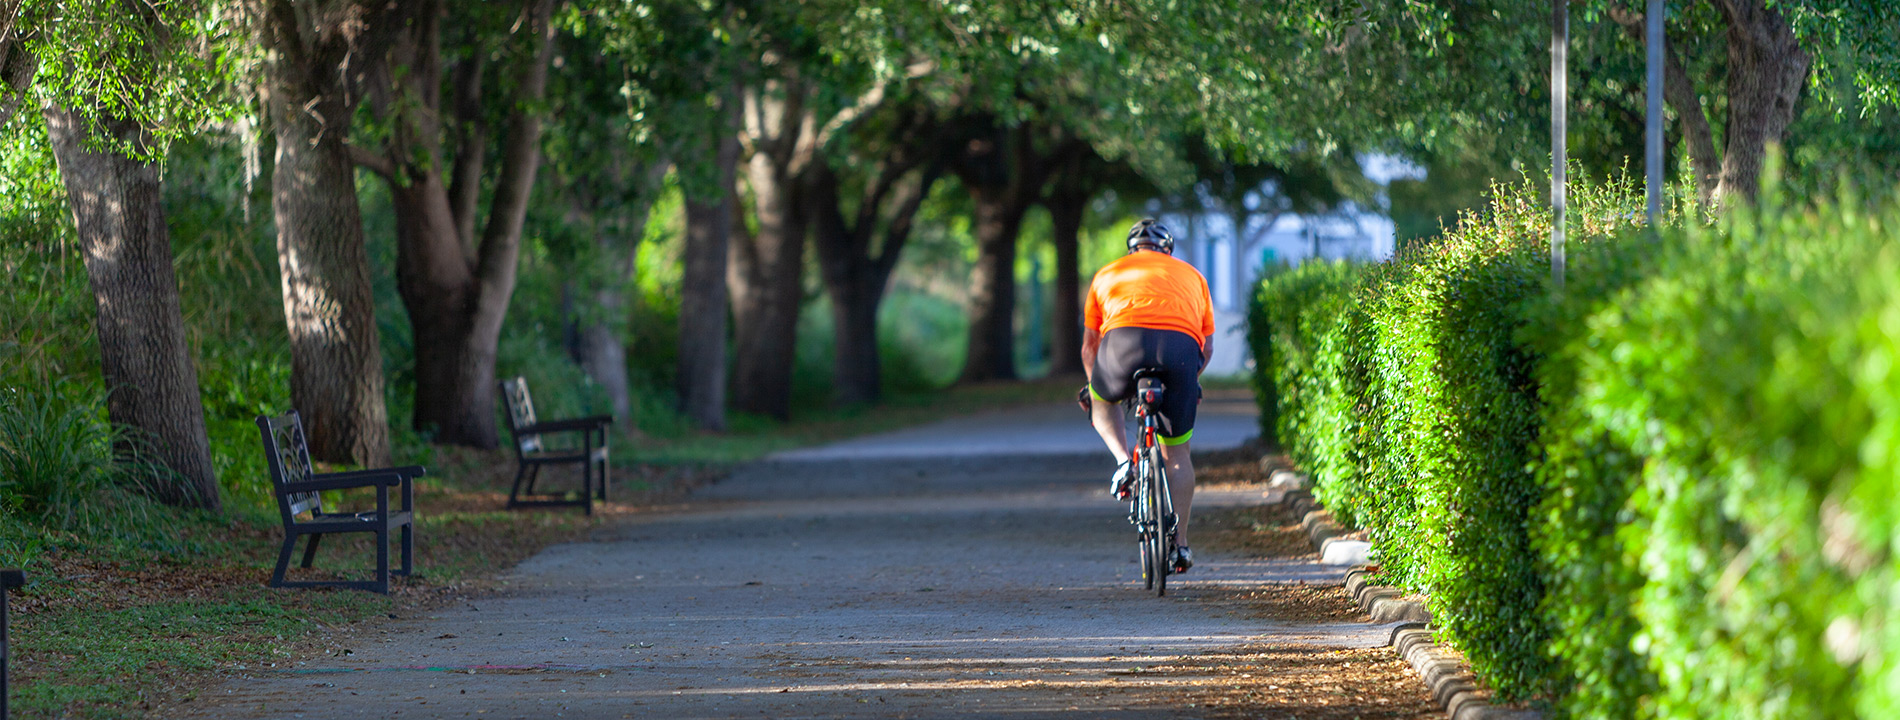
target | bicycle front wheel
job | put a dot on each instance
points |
(1156, 545)
(1147, 561)
(1145, 523)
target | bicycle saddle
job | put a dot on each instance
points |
(1148, 386)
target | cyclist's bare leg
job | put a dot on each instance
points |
(1107, 419)
(1180, 485)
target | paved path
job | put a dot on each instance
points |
(1226, 419)
(872, 583)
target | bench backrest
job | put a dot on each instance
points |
(289, 459)
(514, 394)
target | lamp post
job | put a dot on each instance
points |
(1559, 91)
(1653, 130)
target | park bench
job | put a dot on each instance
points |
(9, 580)
(532, 452)
(299, 501)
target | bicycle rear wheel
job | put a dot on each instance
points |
(1140, 512)
(1156, 547)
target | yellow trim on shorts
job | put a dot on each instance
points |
(1098, 396)
(1178, 440)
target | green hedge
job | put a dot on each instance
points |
(1656, 495)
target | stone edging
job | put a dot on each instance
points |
(1451, 683)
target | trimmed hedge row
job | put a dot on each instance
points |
(1660, 494)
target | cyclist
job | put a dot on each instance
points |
(1149, 310)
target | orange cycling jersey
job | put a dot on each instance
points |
(1150, 290)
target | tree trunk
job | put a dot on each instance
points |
(152, 386)
(457, 301)
(787, 138)
(858, 373)
(457, 314)
(1066, 210)
(855, 287)
(855, 277)
(601, 355)
(992, 347)
(1004, 173)
(1766, 72)
(703, 309)
(1692, 120)
(17, 66)
(438, 289)
(597, 345)
(1693, 123)
(764, 275)
(336, 364)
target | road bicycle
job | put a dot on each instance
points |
(1150, 505)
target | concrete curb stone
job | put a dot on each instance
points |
(1451, 683)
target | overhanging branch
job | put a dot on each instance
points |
(372, 161)
(868, 102)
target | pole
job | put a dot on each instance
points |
(1034, 315)
(9, 580)
(1559, 96)
(1653, 132)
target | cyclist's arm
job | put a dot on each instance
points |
(1091, 339)
(1207, 354)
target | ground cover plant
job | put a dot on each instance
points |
(1647, 496)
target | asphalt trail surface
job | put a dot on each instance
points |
(863, 584)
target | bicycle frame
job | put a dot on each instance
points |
(1151, 478)
(1148, 448)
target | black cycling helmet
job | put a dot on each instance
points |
(1152, 235)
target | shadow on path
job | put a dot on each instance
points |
(848, 584)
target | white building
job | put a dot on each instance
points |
(1232, 261)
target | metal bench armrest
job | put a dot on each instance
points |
(407, 471)
(591, 422)
(346, 481)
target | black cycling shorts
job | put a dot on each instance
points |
(1177, 357)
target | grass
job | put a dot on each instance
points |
(106, 630)
(114, 626)
(127, 662)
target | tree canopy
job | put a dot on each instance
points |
(790, 157)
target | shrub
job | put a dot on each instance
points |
(1746, 375)
(57, 467)
(1286, 320)
(1663, 493)
(1586, 477)
(920, 341)
(1427, 414)
(1426, 426)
